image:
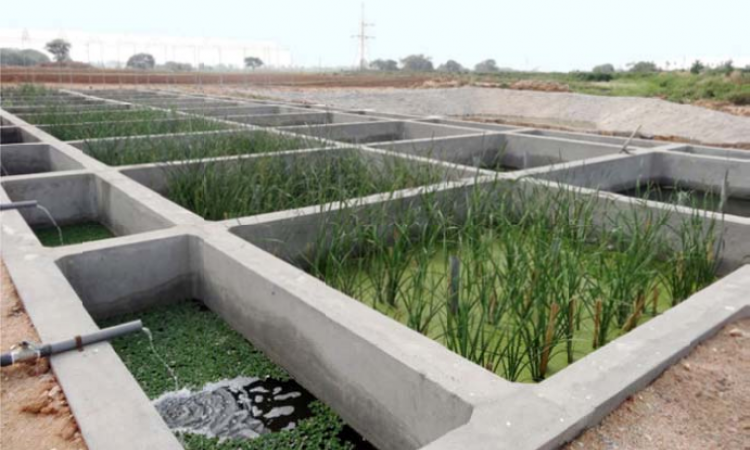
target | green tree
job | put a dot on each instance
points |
(486, 66)
(726, 67)
(643, 67)
(25, 57)
(417, 63)
(697, 67)
(60, 49)
(385, 65)
(451, 66)
(604, 68)
(143, 61)
(253, 62)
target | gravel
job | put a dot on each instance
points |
(621, 115)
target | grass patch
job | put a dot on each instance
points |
(680, 87)
(522, 284)
(268, 184)
(64, 116)
(118, 152)
(73, 234)
(201, 348)
(71, 132)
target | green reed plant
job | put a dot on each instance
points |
(97, 130)
(56, 115)
(521, 281)
(151, 149)
(223, 190)
(694, 266)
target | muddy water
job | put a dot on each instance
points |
(239, 408)
(242, 408)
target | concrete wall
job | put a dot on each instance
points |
(82, 107)
(369, 384)
(509, 150)
(15, 135)
(34, 158)
(131, 277)
(77, 205)
(87, 198)
(625, 172)
(619, 141)
(724, 153)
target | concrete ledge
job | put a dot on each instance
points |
(24, 159)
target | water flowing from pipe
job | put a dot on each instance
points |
(54, 222)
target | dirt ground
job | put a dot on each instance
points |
(33, 411)
(701, 403)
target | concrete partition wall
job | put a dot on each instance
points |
(396, 401)
(76, 198)
(506, 150)
(16, 135)
(371, 382)
(385, 131)
(587, 137)
(26, 159)
(284, 119)
(71, 108)
(239, 110)
(613, 173)
(364, 132)
(485, 126)
(183, 103)
(77, 205)
(707, 174)
(723, 153)
(485, 150)
(131, 277)
(626, 172)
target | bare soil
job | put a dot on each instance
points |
(33, 411)
(701, 403)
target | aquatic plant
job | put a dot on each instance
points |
(151, 149)
(218, 191)
(521, 281)
(96, 130)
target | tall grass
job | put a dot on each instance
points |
(55, 115)
(520, 281)
(97, 130)
(218, 191)
(140, 150)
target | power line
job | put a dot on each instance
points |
(363, 37)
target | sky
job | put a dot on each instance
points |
(546, 35)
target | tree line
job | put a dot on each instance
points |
(422, 63)
(60, 51)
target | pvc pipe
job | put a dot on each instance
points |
(30, 351)
(18, 205)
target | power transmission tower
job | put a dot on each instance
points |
(363, 37)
